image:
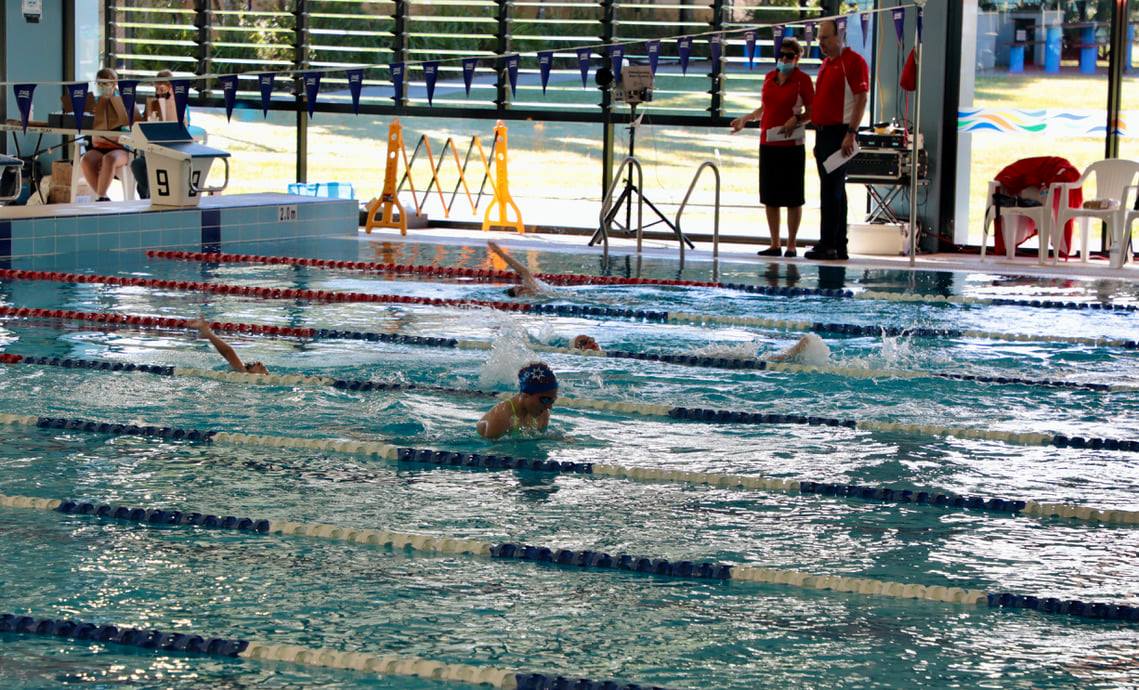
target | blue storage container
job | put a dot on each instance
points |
(326, 190)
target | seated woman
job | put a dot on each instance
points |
(226, 351)
(105, 157)
(528, 409)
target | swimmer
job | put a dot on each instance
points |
(529, 409)
(810, 350)
(585, 342)
(226, 351)
(530, 287)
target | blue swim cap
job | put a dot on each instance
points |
(536, 378)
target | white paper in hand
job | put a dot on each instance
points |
(776, 134)
(837, 159)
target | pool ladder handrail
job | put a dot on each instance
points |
(607, 203)
(680, 211)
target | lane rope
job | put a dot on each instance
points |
(160, 322)
(450, 459)
(384, 665)
(565, 310)
(581, 558)
(579, 279)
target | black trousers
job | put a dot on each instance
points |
(832, 188)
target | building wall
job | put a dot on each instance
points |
(33, 53)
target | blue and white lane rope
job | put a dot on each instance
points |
(583, 558)
(442, 458)
(384, 665)
(712, 416)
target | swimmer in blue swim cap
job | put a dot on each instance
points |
(528, 409)
(225, 350)
(530, 286)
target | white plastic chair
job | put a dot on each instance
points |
(1040, 215)
(1112, 178)
(1121, 241)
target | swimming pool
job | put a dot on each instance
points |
(676, 632)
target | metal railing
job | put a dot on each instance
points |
(680, 211)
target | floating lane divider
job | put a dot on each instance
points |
(442, 458)
(566, 310)
(387, 665)
(578, 279)
(582, 559)
(694, 414)
(146, 322)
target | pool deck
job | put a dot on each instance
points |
(741, 253)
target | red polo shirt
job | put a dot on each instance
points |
(839, 80)
(781, 101)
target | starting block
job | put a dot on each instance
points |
(176, 167)
(11, 178)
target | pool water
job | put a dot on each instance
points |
(563, 620)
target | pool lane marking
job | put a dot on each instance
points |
(442, 458)
(580, 279)
(147, 322)
(381, 664)
(646, 315)
(581, 558)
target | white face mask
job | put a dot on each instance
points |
(106, 90)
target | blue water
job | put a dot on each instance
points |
(684, 634)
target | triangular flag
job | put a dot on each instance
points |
(899, 22)
(808, 36)
(265, 81)
(616, 57)
(545, 62)
(312, 88)
(181, 89)
(653, 49)
(469, 66)
(395, 71)
(430, 74)
(865, 17)
(840, 24)
(749, 47)
(78, 94)
(24, 93)
(684, 49)
(583, 65)
(128, 91)
(716, 48)
(512, 73)
(778, 33)
(228, 93)
(355, 84)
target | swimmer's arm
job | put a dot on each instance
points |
(793, 351)
(494, 423)
(522, 271)
(220, 345)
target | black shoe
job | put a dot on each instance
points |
(103, 198)
(790, 253)
(815, 252)
(770, 251)
(827, 255)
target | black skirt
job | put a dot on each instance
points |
(781, 170)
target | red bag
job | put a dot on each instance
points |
(909, 79)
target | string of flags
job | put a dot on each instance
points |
(615, 52)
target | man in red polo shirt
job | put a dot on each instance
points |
(841, 90)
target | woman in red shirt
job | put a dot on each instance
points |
(785, 107)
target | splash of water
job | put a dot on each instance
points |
(509, 352)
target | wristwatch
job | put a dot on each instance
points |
(851, 130)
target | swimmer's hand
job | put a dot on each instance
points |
(203, 328)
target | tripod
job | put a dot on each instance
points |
(626, 197)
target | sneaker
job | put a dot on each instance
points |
(790, 253)
(770, 251)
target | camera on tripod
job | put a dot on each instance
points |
(635, 86)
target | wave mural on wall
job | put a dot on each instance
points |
(1071, 123)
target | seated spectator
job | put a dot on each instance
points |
(105, 157)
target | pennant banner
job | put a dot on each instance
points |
(312, 88)
(684, 49)
(779, 32)
(469, 65)
(430, 74)
(840, 24)
(24, 93)
(899, 22)
(716, 47)
(749, 48)
(181, 88)
(395, 70)
(78, 95)
(228, 84)
(545, 62)
(653, 49)
(919, 23)
(808, 36)
(265, 81)
(355, 84)
(616, 57)
(583, 65)
(128, 91)
(865, 17)
(512, 73)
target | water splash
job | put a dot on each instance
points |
(509, 352)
